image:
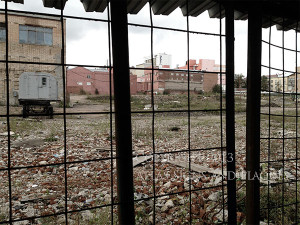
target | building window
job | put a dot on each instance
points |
(172, 73)
(2, 32)
(88, 76)
(35, 35)
(88, 83)
(79, 83)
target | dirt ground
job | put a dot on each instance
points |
(89, 150)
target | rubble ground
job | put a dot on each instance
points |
(39, 143)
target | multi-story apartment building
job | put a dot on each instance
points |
(287, 83)
(160, 60)
(32, 39)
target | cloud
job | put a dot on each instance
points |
(78, 29)
(90, 37)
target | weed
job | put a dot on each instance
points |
(273, 201)
(97, 216)
(51, 220)
(3, 217)
(24, 126)
(52, 136)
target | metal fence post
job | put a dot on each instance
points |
(122, 110)
(230, 120)
(253, 114)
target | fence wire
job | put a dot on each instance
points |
(192, 211)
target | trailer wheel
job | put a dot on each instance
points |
(50, 111)
(25, 111)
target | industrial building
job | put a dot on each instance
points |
(81, 80)
(32, 39)
(234, 182)
(165, 81)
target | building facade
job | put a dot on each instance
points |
(160, 60)
(31, 40)
(287, 83)
(81, 80)
(208, 65)
(165, 81)
(204, 65)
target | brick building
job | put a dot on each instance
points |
(208, 65)
(176, 81)
(31, 39)
(93, 81)
(203, 65)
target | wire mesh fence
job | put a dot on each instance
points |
(64, 170)
(279, 134)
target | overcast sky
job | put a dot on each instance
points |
(87, 41)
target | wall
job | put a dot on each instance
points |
(209, 81)
(83, 80)
(29, 53)
(175, 81)
(206, 64)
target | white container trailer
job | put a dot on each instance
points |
(37, 89)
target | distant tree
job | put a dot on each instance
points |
(278, 87)
(216, 89)
(240, 81)
(264, 83)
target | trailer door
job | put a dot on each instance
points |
(43, 91)
(32, 84)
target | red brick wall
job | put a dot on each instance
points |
(209, 81)
(98, 80)
(133, 84)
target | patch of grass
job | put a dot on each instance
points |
(53, 136)
(25, 126)
(277, 121)
(274, 202)
(98, 216)
(3, 217)
(101, 126)
(99, 98)
(51, 220)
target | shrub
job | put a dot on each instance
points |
(200, 92)
(82, 92)
(216, 89)
(166, 92)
